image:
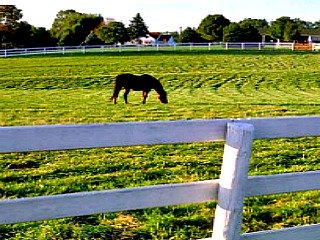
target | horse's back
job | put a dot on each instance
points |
(134, 82)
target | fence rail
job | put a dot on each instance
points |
(61, 137)
(137, 48)
(238, 135)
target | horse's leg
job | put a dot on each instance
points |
(115, 94)
(125, 95)
(145, 95)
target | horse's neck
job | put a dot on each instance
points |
(159, 89)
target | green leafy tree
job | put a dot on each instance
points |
(72, 28)
(249, 32)
(10, 15)
(137, 27)
(232, 33)
(257, 23)
(304, 24)
(9, 20)
(23, 35)
(316, 25)
(92, 39)
(241, 32)
(113, 32)
(211, 27)
(291, 31)
(26, 36)
(62, 19)
(189, 35)
(284, 28)
(42, 37)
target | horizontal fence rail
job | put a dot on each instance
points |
(85, 203)
(60, 137)
(62, 50)
(308, 232)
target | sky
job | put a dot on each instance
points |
(168, 15)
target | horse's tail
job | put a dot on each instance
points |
(116, 90)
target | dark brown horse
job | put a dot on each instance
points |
(142, 83)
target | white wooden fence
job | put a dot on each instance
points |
(229, 191)
(5, 53)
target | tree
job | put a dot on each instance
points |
(22, 35)
(113, 32)
(189, 35)
(241, 32)
(316, 24)
(10, 15)
(9, 20)
(137, 28)
(232, 33)
(92, 39)
(211, 27)
(291, 31)
(304, 24)
(41, 37)
(284, 28)
(250, 33)
(257, 23)
(72, 28)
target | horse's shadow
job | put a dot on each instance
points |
(144, 83)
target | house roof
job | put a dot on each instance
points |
(164, 37)
(155, 35)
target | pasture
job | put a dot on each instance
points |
(200, 85)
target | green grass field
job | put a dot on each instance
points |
(200, 85)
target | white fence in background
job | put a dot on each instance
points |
(134, 48)
(229, 190)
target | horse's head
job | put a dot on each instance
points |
(163, 97)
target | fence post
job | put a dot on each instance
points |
(234, 170)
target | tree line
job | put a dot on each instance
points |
(74, 28)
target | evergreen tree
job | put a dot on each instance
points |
(137, 28)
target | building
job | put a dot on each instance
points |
(157, 38)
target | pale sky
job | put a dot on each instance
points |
(168, 15)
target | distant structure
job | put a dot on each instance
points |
(157, 38)
(310, 38)
(109, 20)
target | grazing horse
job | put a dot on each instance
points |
(142, 83)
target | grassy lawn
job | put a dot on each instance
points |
(200, 85)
